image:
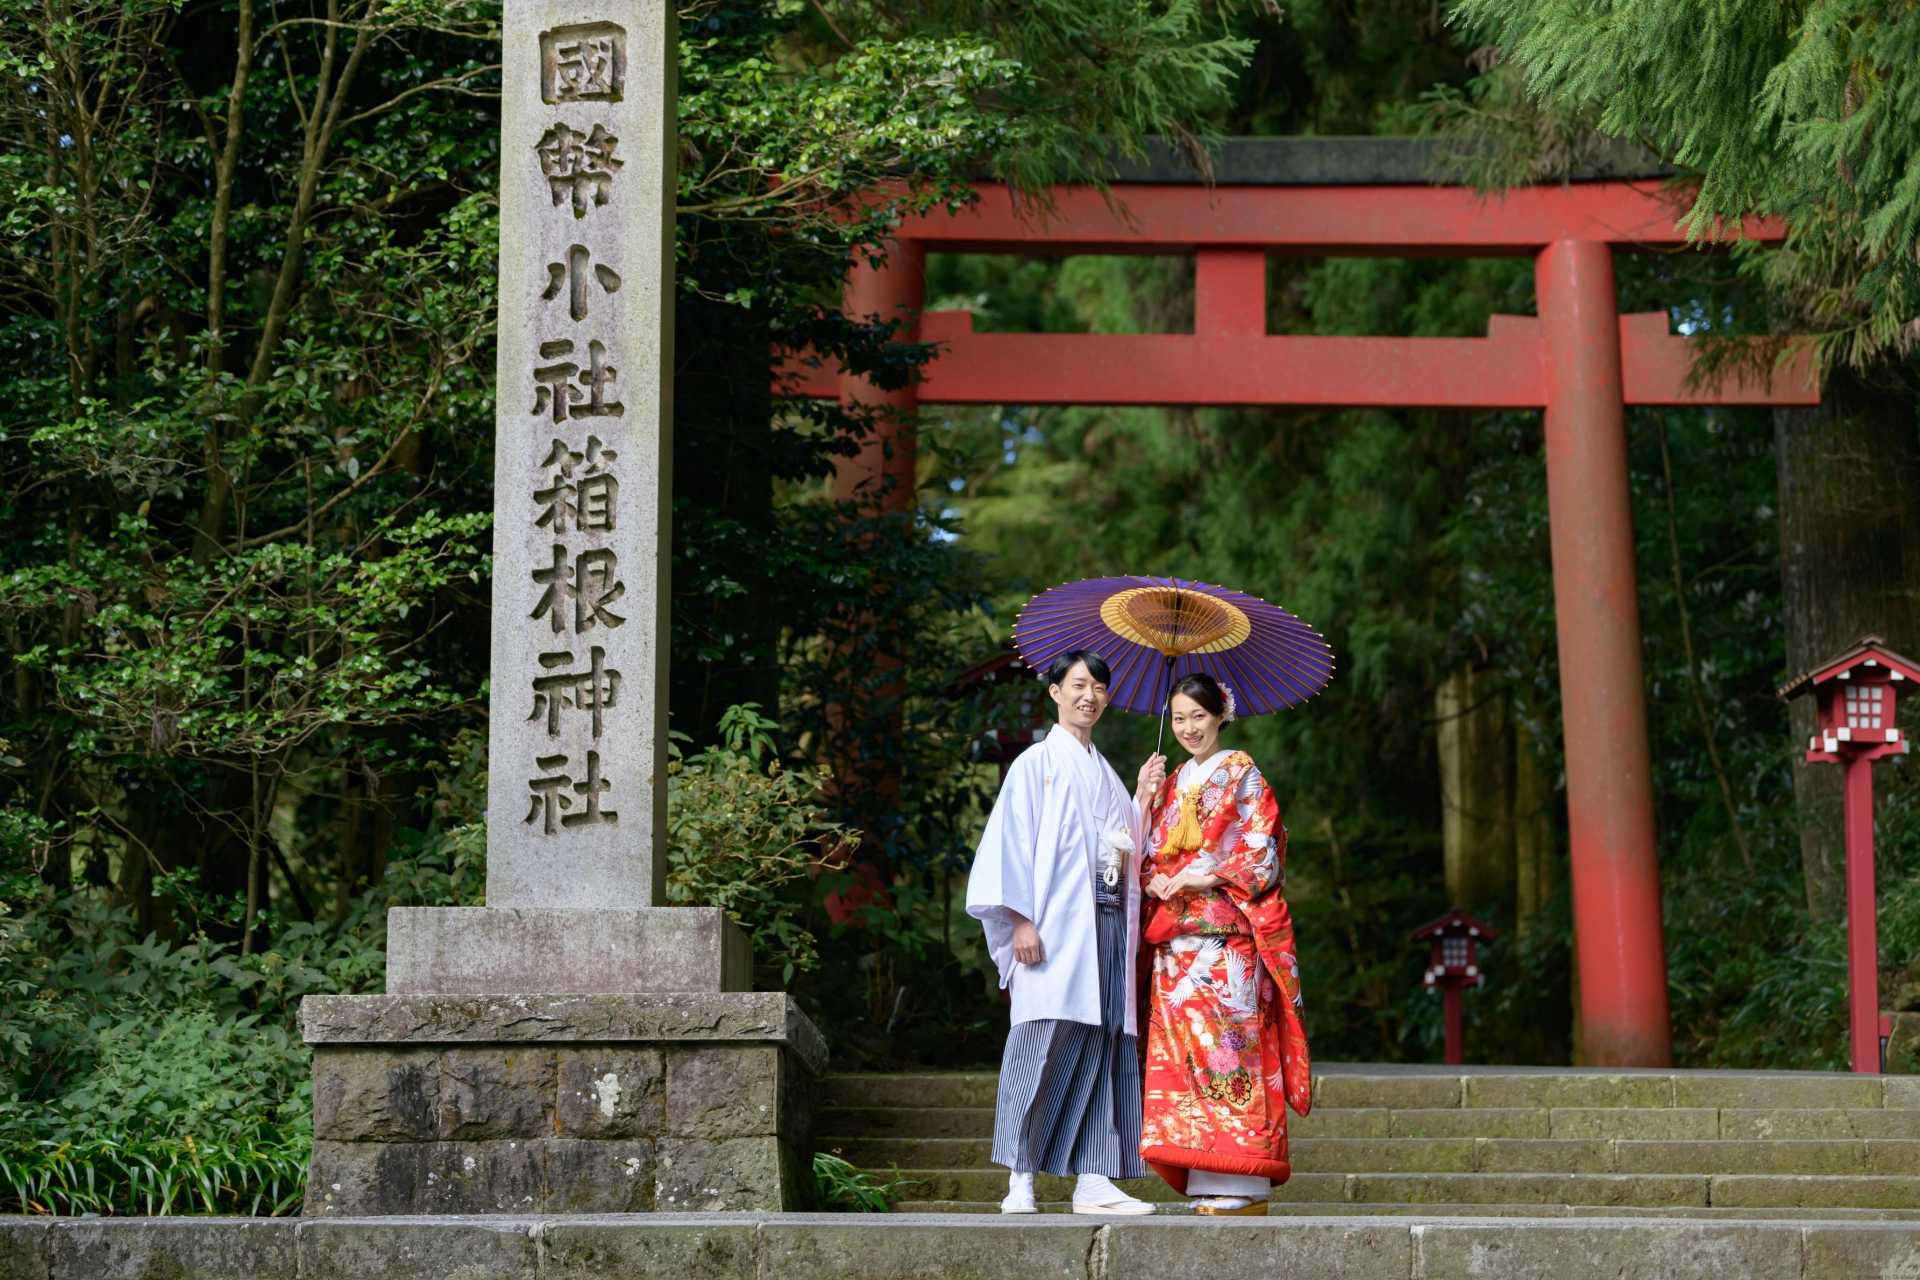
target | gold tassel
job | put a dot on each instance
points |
(1185, 833)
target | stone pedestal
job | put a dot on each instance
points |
(450, 1104)
(486, 950)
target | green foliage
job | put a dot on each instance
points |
(743, 830)
(1799, 109)
(844, 1189)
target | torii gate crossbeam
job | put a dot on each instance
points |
(1580, 362)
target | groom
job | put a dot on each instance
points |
(1055, 884)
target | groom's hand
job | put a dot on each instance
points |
(1026, 943)
(1153, 774)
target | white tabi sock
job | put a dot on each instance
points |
(1097, 1188)
(1019, 1194)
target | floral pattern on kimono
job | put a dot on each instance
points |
(1226, 1050)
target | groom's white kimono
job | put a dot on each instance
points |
(1069, 1096)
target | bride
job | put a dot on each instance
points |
(1226, 1045)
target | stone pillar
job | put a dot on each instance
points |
(528, 1054)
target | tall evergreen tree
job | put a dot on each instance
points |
(1805, 111)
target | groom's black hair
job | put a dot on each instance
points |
(1096, 666)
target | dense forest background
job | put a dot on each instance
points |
(245, 442)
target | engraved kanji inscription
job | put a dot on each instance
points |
(579, 166)
(556, 393)
(558, 801)
(582, 491)
(593, 689)
(574, 276)
(590, 581)
(583, 62)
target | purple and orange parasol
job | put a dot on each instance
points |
(1154, 631)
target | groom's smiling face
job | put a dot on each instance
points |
(1080, 697)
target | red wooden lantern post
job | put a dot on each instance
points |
(1859, 692)
(1453, 966)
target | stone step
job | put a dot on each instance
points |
(1340, 1208)
(1645, 1190)
(1477, 1155)
(1636, 1123)
(913, 1089)
(923, 1246)
(904, 1122)
(1360, 1086)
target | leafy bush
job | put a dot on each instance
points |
(743, 832)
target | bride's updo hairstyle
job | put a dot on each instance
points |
(1205, 690)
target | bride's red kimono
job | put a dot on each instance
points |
(1226, 1041)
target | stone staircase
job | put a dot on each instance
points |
(1479, 1141)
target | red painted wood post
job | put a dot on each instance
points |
(1616, 880)
(1454, 997)
(881, 479)
(1230, 293)
(883, 471)
(1863, 931)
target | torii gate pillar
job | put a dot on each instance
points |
(881, 475)
(1616, 880)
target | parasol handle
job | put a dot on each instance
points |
(1166, 700)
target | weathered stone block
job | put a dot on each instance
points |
(1901, 1093)
(1528, 1188)
(375, 1095)
(23, 1248)
(1399, 1091)
(1892, 1156)
(663, 1249)
(1650, 1123)
(496, 1092)
(1763, 1191)
(702, 1175)
(349, 1178)
(925, 1248)
(1155, 1249)
(444, 1249)
(1478, 1122)
(723, 1091)
(1383, 1155)
(598, 1176)
(1348, 1122)
(1569, 1089)
(1764, 1123)
(1880, 1251)
(502, 1176)
(1645, 1251)
(1775, 1089)
(611, 1091)
(1812, 1156)
(918, 1122)
(689, 1017)
(1537, 1155)
(485, 950)
(1316, 1187)
(170, 1248)
(913, 1089)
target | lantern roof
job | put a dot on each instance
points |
(1867, 651)
(1455, 921)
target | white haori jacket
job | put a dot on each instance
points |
(1038, 857)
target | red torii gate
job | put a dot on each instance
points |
(1579, 361)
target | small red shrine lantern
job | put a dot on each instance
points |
(1858, 695)
(1453, 966)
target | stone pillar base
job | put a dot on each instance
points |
(439, 1104)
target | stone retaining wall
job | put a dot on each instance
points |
(899, 1247)
(560, 1104)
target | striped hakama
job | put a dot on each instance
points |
(1070, 1093)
